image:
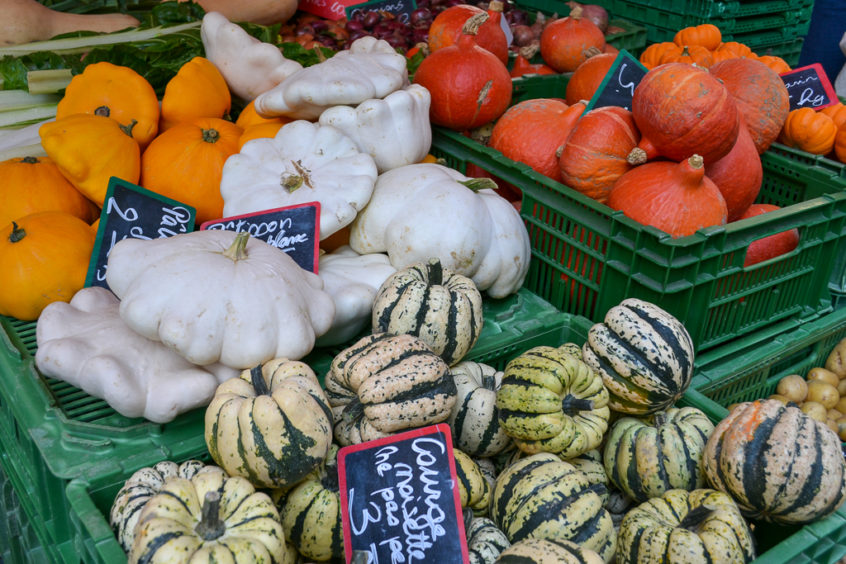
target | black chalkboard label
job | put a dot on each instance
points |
(293, 229)
(130, 211)
(400, 8)
(809, 87)
(400, 501)
(618, 86)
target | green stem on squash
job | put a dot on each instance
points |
(238, 249)
(211, 135)
(257, 380)
(17, 233)
(210, 526)
(477, 184)
(571, 405)
(104, 111)
(435, 272)
(128, 127)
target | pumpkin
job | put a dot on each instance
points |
(702, 525)
(550, 400)
(543, 497)
(212, 518)
(659, 53)
(474, 420)
(681, 110)
(706, 35)
(442, 308)
(774, 62)
(547, 551)
(770, 246)
(185, 163)
(532, 131)
(596, 151)
(485, 541)
(445, 29)
(311, 512)
(565, 42)
(522, 66)
(836, 112)
(474, 491)
(736, 49)
(44, 257)
(647, 457)
(676, 198)
(272, 425)
(197, 90)
(470, 86)
(115, 92)
(137, 491)
(34, 184)
(694, 54)
(738, 175)
(587, 77)
(385, 383)
(777, 463)
(760, 95)
(809, 130)
(643, 354)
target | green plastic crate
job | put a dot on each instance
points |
(587, 258)
(714, 9)
(19, 543)
(758, 41)
(789, 51)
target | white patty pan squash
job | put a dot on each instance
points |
(352, 280)
(395, 131)
(86, 344)
(219, 296)
(370, 68)
(428, 210)
(304, 162)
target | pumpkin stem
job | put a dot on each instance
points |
(128, 127)
(529, 51)
(571, 405)
(637, 156)
(473, 23)
(30, 160)
(257, 380)
(496, 6)
(435, 272)
(238, 249)
(330, 479)
(591, 52)
(211, 135)
(103, 111)
(695, 517)
(17, 233)
(210, 526)
(477, 184)
(291, 182)
(696, 161)
(576, 12)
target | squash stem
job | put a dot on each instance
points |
(30, 160)
(238, 249)
(477, 184)
(210, 526)
(211, 135)
(473, 23)
(571, 405)
(695, 518)
(435, 272)
(258, 382)
(17, 233)
(103, 111)
(468, 516)
(128, 127)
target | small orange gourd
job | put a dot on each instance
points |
(837, 112)
(115, 92)
(735, 48)
(659, 53)
(44, 258)
(186, 162)
(196, 90)
(840, 143)
(565, 43)
(776, 63)
(34, 184)
(809, 130)
(706, 35)
(694, 54)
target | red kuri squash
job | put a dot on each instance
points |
(738, 175)
(565, 42)
(771, 246)
(587, 77)
(445, 29)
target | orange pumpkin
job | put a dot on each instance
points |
(197, 90)
(777, 64)
(837, 112)
(186, 162)
(259, 131)
(44, 258)
(565, 42)
(522, 67)
(445, 29)
(706, 35)
(34, 184)
(809, 130)
(116, 92)
(587, 78)
(694, 54)
(659, 53)
(735, 48)
(840, 143)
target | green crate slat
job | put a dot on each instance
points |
(19, 544)
(758, 41)
(632, 38)
(715, 8)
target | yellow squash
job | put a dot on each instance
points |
(197, 90)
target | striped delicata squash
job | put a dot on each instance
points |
(484, 539)
(441, 307)
(474, 491)
(547, 551)
(272, 425)
(474, 420)
(551, 401)
(386, 383)
(644, 355)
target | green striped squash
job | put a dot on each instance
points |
(588, 463)
(438, 305)
(387, 383)
(551, 401)
(137, 491)
(272, 425)
(685, 527)
(473, 488)
(548, 551)
(542, 496)
(474, 420)
(484, 539)
(645, 457)
(210, 518)
(644, 355)
(777, 463)
(311, 512)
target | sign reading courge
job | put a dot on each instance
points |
(400, 501)
(809, 87)
(618, 86)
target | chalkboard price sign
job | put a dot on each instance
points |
(400, 8)
(809, 87)
(400, 501)
(618, 86)
(293, 229)
(130, 211)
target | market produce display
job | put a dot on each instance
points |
(579, 449)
